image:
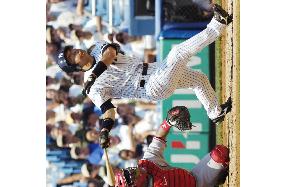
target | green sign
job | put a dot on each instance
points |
(187, 149)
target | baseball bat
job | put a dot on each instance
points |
(110, 174)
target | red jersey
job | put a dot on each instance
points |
(171, 177)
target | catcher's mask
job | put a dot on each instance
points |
(131, 177)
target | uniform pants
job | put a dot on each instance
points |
(173, 73)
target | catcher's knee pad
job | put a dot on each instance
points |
(220, 154)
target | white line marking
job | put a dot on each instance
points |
(184, 158)
(193, 145)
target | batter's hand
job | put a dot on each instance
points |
(104, 138)
(115, 46)
(179, 117)
(87, 85)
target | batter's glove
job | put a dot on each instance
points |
(113, 45)
(87, 85)
(179, 117)
(104, 138)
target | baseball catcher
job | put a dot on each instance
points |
(154, 171)
(109, 73)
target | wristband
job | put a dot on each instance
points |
(165, 125)
(99, 69)
(106, 106)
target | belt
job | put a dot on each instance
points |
(144, 72)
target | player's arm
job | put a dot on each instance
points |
(69, 179)
(109, 53)
(107, 123)
(177, 116)
(80, 8)
(156, 148)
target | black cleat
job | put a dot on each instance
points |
(221, 15)
(226, 108)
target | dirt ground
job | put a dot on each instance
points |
(228, 84)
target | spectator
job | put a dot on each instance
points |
(123, 110)
(93, 137)
(122, 39)
(130, 155)
(90, 170)
(90, 118)
(84, 39)
(50, 117)
(52, 51)
(56, 131)
(67, 140)
(93, 153)
(126, 154)
(95, 183)
(75, 98)
(65, 12)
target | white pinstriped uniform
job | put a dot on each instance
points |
(122, 80)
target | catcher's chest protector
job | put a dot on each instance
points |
(171, 177)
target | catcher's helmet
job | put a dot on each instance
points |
(64, 64)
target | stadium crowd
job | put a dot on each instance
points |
(74, 156)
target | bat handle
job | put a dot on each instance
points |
(110, 174)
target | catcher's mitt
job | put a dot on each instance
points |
(179, 117)
(113, 45)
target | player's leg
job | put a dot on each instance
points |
(200, 84)
(210, 170)
(183, 51)
(163, 82)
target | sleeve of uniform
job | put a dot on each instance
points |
(96, 50)
(99, 95)
(155, 152)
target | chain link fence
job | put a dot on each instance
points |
(186, 11)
